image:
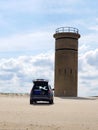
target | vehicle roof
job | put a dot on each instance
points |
(40, 80)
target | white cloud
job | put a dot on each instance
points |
(92, 58)
(17, 74)
(94, 28)
(30, 41)
(90, 38)
(88, 73)
(35, 5)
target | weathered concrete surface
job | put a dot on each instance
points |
(66, 63)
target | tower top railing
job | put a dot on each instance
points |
(67, 29)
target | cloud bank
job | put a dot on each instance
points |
(16, 74)
(88, 73)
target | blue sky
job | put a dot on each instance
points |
(27, 43)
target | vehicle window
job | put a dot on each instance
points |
(41, 87)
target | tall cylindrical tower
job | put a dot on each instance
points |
(66, 61)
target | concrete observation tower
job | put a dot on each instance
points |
(66, 61)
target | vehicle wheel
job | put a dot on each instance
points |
(34, 102)
(31, 102)
(51, 101)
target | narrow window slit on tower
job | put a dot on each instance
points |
(70, 71)
(65, 71)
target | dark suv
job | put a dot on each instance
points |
(41, 91)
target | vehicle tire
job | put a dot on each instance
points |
(51, 101)
(31, 102)
(34, 102)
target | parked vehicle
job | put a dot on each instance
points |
(41, 91)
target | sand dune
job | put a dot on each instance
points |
(65, 114)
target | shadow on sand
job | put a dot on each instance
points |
(80, 98)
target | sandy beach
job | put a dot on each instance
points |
(65, 114)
